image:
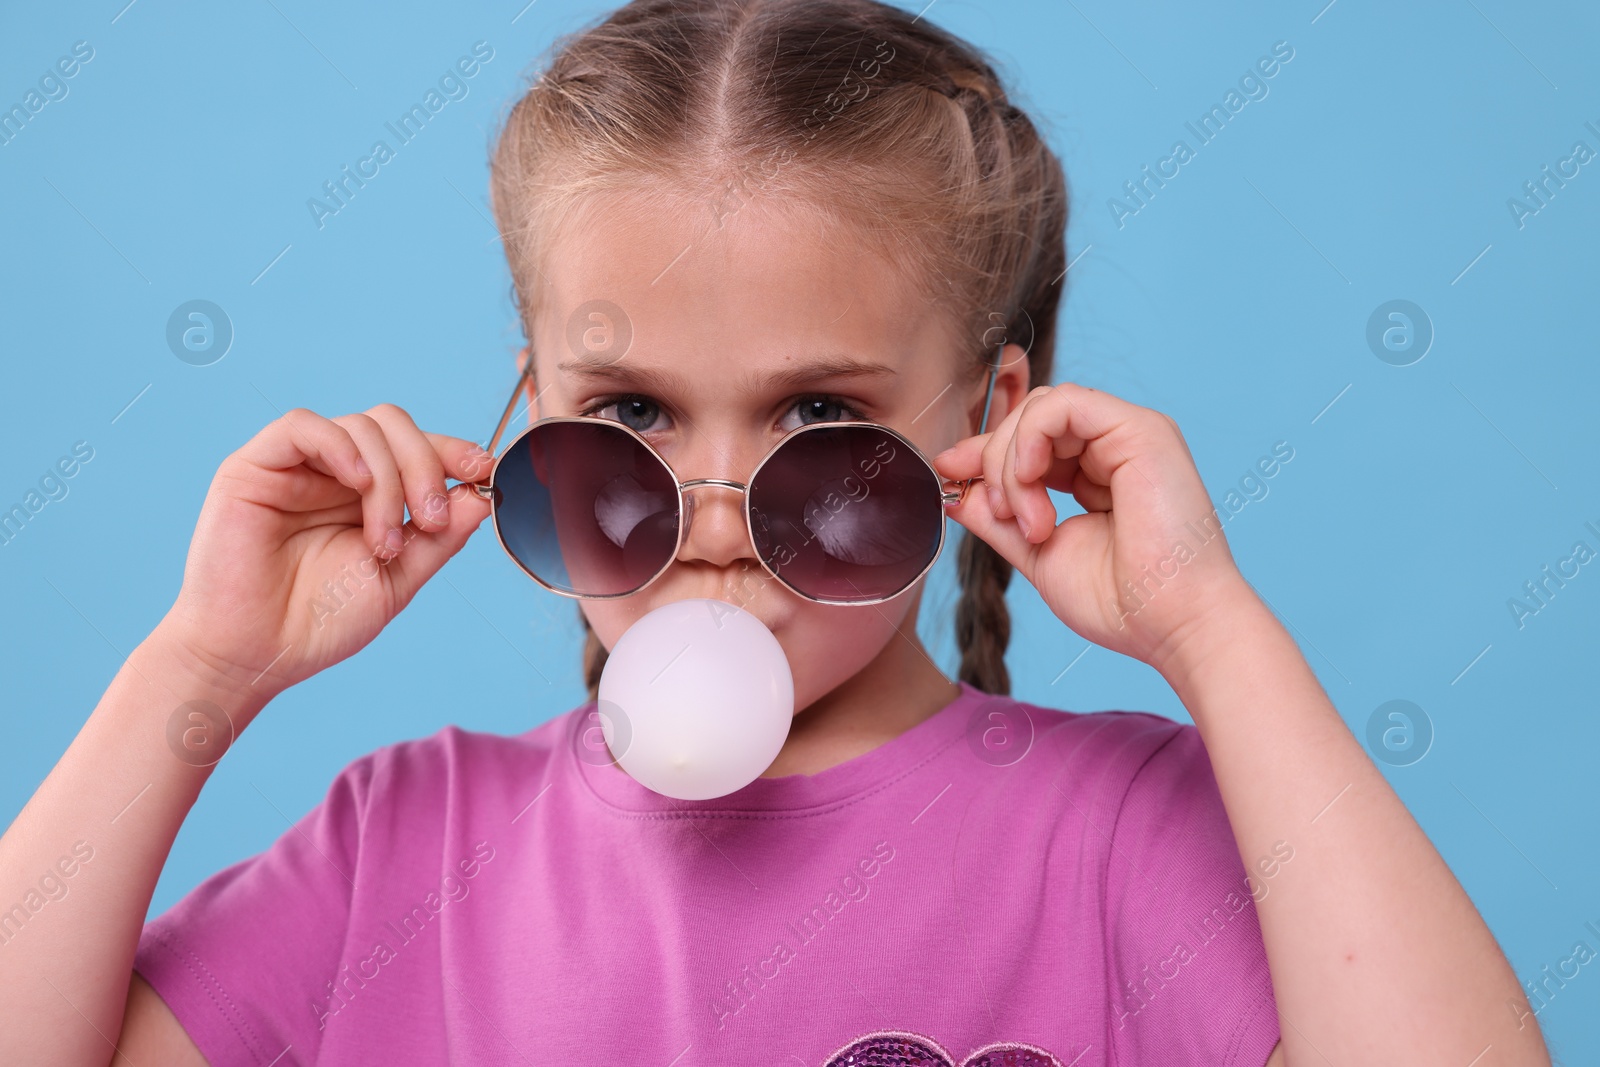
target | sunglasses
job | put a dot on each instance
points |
(838, 512)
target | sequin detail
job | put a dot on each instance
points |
(898, 1048)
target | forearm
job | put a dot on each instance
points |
(117, 796)
(1376, 953)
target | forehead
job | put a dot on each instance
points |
(713, 282)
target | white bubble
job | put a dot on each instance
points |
(708, 696)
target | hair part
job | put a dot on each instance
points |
(854, 108)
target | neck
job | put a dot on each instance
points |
(900, 688)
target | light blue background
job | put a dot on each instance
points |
(1378, 167)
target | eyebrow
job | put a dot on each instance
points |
(830, 368)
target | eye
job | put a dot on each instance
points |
(644, 414)
(635, 411)
(822, 408)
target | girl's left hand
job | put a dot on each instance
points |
(1146, 565)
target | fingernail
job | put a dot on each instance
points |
(394, 542)
(435, 507)
(995, 498)
(945, 453)
(1022, 524)
(362, 468)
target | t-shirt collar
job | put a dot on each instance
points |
(794, 794)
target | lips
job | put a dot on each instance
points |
(735, 588)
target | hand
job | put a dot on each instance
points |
(1146, 564)
(300, 555)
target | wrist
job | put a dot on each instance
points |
(1232, 620)
(167, 659)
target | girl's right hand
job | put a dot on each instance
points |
(302, 554)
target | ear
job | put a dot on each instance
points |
(1010, 387)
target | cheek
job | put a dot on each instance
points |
(827, 644)
(610, 618)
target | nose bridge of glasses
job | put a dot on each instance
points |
(702, 483)
(721, 483)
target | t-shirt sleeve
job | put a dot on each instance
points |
(1188, 971)
(241, 960)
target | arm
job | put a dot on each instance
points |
(152, 1034)
(118, 789)
(1375, 951)
(301, 555)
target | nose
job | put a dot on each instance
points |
(714, 525)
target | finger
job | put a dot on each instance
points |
(1090, 494)
(1028, 497)
(962, 460)
(1076, 534)
(1096, 426)
(301, 490)
(303, 437)
(421, 471)
(976, 513)
(427, 551)
(463, 460)
(994, 456)
(383, 504)
(1040, 446)
(1061, 474)
(1067, 476)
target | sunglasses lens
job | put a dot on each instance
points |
(586, 508)
(846, 513)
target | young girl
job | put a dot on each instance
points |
(775, 213)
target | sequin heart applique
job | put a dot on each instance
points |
(897, 1048)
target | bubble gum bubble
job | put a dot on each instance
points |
(696, 699)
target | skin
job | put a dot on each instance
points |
(1361, 974)
(756, 297)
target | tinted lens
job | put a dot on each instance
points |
(846, 513)
(586, 508)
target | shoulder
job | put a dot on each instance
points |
(1145, 784)
(452, 767)
(1132, 775)
(1103, 747)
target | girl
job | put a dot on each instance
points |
(728, 220)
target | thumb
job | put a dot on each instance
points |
(428, 550)
(976, 514)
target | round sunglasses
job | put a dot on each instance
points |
(839, 512)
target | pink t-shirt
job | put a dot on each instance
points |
(962, 894)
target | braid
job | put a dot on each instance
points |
(983, 622)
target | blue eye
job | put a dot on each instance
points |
(636, 412)
(823, 408)
(820, 409)
(642, 413)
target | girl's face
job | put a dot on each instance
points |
(740, 333)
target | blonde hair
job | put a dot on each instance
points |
(853, 108)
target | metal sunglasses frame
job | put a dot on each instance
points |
(948, 497)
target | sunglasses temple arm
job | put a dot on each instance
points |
(983, 427)
(511, 405)
(988, 394)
